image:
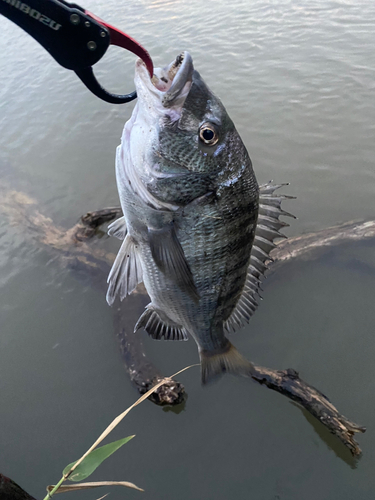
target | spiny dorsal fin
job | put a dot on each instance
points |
(126, 271)
(118, 228)
(267, 230)
(158, 328)
(170, 258)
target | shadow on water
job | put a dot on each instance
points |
(334, 444)
(356, 257)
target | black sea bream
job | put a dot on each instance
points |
(192, 207)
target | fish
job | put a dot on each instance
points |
(197, 229)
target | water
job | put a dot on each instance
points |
(298, 80)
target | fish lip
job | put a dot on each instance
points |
(184, 63)
(167, 84)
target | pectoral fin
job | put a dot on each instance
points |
(118, 228)
(126, 271)
(170, 259)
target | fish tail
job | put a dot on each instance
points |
(228, 359)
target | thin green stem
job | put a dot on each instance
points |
(50, 493)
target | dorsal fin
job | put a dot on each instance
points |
(151, 320)
(118, 228)
(126, 271)
(267, 230)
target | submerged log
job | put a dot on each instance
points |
(312, 245)
(72, 245)
(142, 372)
(288, 383)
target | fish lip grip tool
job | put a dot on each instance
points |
(75, 38)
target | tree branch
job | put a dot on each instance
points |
(312, 245)
(288, 383)
(73, 247)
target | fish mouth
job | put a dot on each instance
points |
(169, 86)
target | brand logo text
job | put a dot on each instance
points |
(35, 14)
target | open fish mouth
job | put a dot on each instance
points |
(169, 86)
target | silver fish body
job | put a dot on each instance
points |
(191, 203)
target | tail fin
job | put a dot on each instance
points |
(214, 364)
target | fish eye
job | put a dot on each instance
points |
(208, 134)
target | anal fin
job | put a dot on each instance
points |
(159, 326)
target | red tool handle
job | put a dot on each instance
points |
(125, 41)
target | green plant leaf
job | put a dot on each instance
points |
(93, 460)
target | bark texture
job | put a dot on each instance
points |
(288, 383)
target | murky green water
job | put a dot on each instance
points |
(298, 80)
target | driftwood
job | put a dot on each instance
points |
(313, 245)
(287, 382)
(73, 248)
